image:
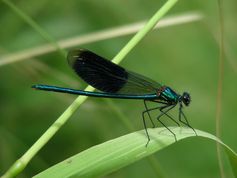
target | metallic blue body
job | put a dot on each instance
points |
(169, 95)
(94, 94)
(116, 82)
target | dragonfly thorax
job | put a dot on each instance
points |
(168, 95)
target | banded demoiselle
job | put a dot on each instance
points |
(116, 82)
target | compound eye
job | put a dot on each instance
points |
(186, 98)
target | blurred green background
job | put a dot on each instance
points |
(184, 57)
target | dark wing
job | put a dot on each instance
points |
(107, 76)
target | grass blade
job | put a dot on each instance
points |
(97, 36)
(114, 154)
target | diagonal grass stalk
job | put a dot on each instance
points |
(21, 163)
(97, 36)
(220, 88)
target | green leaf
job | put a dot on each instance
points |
(233, 161)
(114, 154)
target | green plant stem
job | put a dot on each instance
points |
(34, 25)
(21, 163)
(100, 35)
(148, 27)
(220, 87)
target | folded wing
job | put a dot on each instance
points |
(107, 76)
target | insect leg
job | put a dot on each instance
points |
(186, 120)
(160, 107)
(169, 115)
(147, 111)
(164, 113)
(144, 120)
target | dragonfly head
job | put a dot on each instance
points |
(186, 98)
